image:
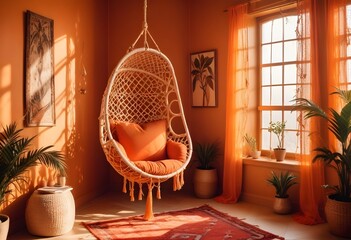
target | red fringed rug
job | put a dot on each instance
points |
(202, 223)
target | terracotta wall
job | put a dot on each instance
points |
(80, 34)
(208, 29)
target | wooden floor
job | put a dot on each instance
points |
(115, 205)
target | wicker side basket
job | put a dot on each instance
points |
(339, 217)
(50, 214)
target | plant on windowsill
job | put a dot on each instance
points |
(16, 157)
(278, 129)
(338, 206)
(282, 182)
(251, 142)
(205, 175)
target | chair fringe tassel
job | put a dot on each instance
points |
(178, 182)
(149, 214)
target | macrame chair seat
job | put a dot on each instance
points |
(143, 89)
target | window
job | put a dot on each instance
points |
(278, 78)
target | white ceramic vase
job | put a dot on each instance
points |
(255, 154)
(4, 226)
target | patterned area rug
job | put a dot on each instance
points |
(205, 223)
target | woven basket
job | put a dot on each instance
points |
(50, 214)
(339, 217)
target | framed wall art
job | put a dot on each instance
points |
(203, 71)
(39, 67)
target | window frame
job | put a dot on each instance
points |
(259, 22)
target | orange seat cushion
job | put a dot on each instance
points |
(162, 167)
(146, 142)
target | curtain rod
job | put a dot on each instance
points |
(265, 5)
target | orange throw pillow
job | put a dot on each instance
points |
(145, 142)
(176, 150)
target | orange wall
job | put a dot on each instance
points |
(76, 24)
(208, 29)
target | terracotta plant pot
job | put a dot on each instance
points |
(338, 216)
(282, 205)
(205, 183)
(4, 226)
(279, 154)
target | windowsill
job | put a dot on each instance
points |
(288, 165)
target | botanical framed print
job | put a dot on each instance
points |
(39, 82)
(203, 71)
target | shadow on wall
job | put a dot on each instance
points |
(64, 134)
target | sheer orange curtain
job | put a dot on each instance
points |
(332, 40)
(236, 103)
(337, 42)
(311, 175)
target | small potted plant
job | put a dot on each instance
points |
(251, 142)
(205, 176)
(282, 182)
(16, 157)
(278, 129)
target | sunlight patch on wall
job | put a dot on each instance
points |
(60, 48)
(65, 81)
(5, 94)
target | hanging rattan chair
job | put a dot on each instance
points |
(143, 89)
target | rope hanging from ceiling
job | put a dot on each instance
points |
(143, 89)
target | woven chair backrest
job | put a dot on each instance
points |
(141, 88)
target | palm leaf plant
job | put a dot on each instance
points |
(16, 157)
(202, 72)
(340, 126)
(206, 154)
(282, 182)
(251, 141)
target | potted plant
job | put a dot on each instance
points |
(338, 206)
(278, 129)
(15, 158)
(282, 182)
(205, 176)
(251, 142)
